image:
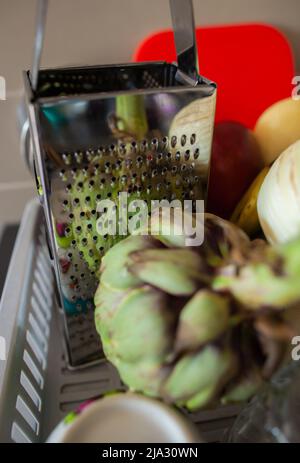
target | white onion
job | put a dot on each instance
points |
(278, 202)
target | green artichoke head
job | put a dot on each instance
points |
(178, 322)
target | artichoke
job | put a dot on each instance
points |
(270, 277)
(174, 326)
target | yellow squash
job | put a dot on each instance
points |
(245, 214)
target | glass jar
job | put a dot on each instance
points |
(273, 416)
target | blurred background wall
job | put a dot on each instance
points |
(94, 32)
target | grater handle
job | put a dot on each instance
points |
(184, 32)
(39, 41)
(185, 40)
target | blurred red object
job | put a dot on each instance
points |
(252, 65)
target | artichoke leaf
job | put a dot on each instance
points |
(176, 271)
(141, 327)
(202, 319)
(196, 372)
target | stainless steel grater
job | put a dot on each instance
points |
(142, 128)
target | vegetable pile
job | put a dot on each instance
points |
(199, 325)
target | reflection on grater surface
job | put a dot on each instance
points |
(104, 131)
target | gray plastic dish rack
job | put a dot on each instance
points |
(36, 386)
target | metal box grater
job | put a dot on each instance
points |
(141, 128)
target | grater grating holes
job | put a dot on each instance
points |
(105, 79)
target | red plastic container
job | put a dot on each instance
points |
(252, 65)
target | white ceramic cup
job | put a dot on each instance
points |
(126, 417)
